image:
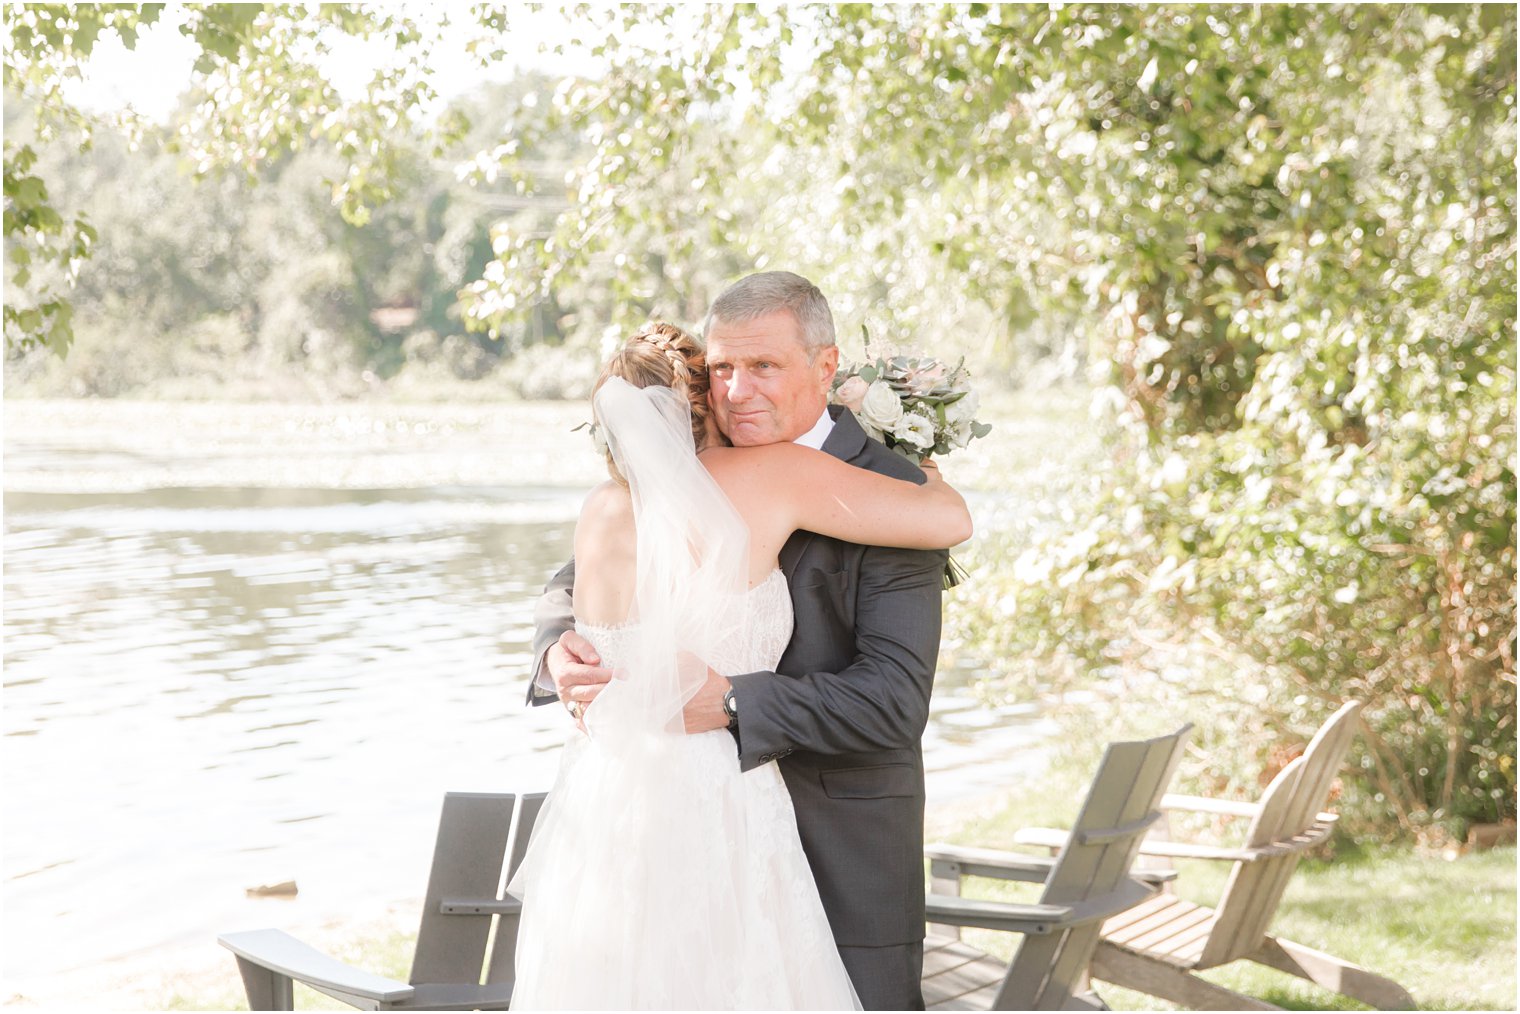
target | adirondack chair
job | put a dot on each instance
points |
(465, 945)
(1088, 882)
(1157, 946)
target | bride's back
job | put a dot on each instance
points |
(606, 543)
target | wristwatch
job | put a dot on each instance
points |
(731, 708)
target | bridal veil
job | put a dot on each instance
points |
(659, 876)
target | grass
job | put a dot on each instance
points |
(1443, 929)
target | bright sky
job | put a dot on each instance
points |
(150, 78)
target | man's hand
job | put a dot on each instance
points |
(704, 712)
(576, 669)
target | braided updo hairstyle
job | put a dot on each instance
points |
(662, 355)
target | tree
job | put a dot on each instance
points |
(1288, 235)
(260, 93)
(1285, 236)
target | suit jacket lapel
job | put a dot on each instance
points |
(845, 441)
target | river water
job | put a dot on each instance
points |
(213, 687)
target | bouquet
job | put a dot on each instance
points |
(916, 405)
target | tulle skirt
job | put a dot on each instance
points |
(660, 877)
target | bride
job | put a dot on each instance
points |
(659, 876)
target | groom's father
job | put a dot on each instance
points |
(845, 710)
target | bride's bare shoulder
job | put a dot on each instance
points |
(604, 530)
(608, 503)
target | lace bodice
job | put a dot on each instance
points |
(758, 647)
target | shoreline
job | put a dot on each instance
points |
(87, 446)
(96, 445)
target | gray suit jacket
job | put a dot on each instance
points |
(844, 712)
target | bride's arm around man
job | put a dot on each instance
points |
(844, 712)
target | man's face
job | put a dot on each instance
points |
(764, 390)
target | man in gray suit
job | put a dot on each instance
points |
(845, 710)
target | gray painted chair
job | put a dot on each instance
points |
(1157, 947)
(1089, 881)
(467, 940)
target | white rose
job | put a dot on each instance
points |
(881, 407)
(962, 410)
(916, 430)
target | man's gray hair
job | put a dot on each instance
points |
(768, 291)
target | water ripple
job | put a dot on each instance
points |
(210, 689)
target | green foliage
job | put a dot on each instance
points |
(1309, 306)
(258, 287)
(1283, 237)
(1287, 235)
(37, 235)
(259, 95)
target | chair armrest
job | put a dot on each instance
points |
(953, 910)
(1188, 850)
(1042, 837)
(1046, 837)
(1315, 834)
(283, 954)
(1203, 804)
(1154, 878)
(977, 862)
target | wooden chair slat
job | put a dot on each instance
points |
(969, 976)
(478, 846)
(1028, 976)
(1147, 913)
(1185, 943)
(467, 861)
(979, 999)
(962, 1002)
(1119, 796)
(1247, 905)
(945, 960)
(1069, 967)
(1325, 753)
(1150, 950)
(1090, 878)
(1190, 921)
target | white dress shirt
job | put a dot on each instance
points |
(815, 437)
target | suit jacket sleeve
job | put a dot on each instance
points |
(551, 617)
(881, 700)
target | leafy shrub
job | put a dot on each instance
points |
(1307, 288)
(552, 373)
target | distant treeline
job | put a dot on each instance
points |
(261, 288)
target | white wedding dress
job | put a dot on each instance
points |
(660, 876)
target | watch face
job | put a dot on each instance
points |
(730, 705)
